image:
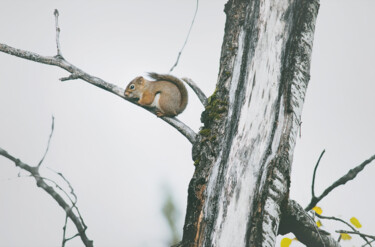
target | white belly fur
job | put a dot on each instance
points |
(155, 103)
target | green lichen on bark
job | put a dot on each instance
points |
(215, 108)
(196, 162)
(205, 132)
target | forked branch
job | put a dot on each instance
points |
(70, 207)
(344, 222)
(41, 182)
(341, 181)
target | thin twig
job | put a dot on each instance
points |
(70, 238)
(358, 233)
(201, 96)
(64, 230)
(49, 141)
(56, 13)
(187, 37)
(316, 229)
(342, 221)
(41, 182)
(73, 194)
(313, 179)
(73, 202)
(367, 244)
(57, 186)
(70, 77)
(341, 181)
(73, 206)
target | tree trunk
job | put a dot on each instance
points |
(244, 151)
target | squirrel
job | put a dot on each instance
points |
(167, 94)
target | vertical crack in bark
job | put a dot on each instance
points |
(295, 77)
(255, 229)
(249, 42)
(207, 147)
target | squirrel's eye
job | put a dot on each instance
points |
(131, 86)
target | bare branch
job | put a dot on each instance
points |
(74, 236)
(201, 96)
(74, 202)
(64, 231)
(313, 179)
(62, 63)
(341, 181)
(49, 141)
(56, 13)
(342, 221)
(181, 127)
(368, 244)
(40, 181)
(73, 76)
(77, 73)
(74, 206)
(296, 220)
(187, 37)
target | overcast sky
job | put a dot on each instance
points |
(119, 158)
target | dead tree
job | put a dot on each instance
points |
(239, 194)
(243, 154)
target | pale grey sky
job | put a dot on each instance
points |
(119, 157)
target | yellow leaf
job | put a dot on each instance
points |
(355, 222)
(345, 236)
(319, 223)
(318, 210)
(285, 242)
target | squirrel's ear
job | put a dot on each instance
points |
(140, 80)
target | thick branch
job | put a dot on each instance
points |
(341, 181)
(80, 74)
(34, 171)
(296, 220)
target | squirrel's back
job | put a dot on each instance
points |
(176, 81)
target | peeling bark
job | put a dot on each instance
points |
(244, 151)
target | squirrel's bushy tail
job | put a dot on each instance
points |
(176, 81)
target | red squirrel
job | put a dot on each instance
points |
(167, 94)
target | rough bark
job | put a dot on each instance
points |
(244, 151)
